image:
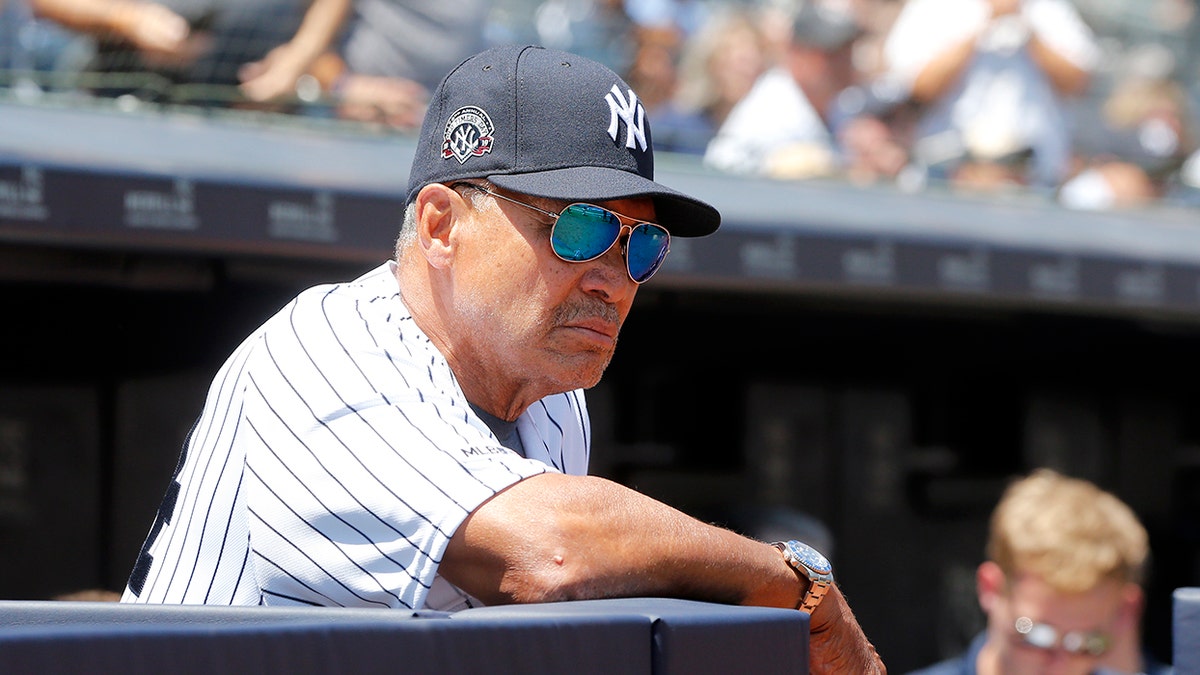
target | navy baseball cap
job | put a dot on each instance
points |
(550, 124)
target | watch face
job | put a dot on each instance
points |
(811, 557)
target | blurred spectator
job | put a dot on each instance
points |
(873, 124)
(777, 129)
(991, 161)
(799, 119)
(1129, 25)
(1061, 585)
(264, 46)
(390, 54)
(416, 40)
(653, 72)
(394, 53)
(719, 65)
(875, 92)
(1127, 655)
(1109, 184)
(1138, 149)
(994, 68)
(658, 30)
(397, 51)
(871, 151)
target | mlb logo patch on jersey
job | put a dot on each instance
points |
(468, 134)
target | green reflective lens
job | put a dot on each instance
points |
(645, 251)
(584, 232)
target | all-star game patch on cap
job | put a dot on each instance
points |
(550, 124)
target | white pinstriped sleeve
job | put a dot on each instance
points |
(335, 458)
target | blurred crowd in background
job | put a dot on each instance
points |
(1092, 103)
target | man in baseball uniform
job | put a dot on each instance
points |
(418, 439)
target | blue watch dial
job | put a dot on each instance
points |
(810, 557)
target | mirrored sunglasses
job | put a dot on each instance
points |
(1047, 637)
(583, 232)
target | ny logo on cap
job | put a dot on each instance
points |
(468, 134)
(633, 114)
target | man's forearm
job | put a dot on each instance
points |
(553, 537)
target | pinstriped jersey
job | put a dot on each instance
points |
(333, 460)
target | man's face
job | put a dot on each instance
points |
(1028, 610)
(532, 318)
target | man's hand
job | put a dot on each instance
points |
(837, 644)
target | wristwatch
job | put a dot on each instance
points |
(809, 564)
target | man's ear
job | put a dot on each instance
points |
(990, 584)
(438, 207)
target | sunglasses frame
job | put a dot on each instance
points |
(621, 219)
(1079, 643)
